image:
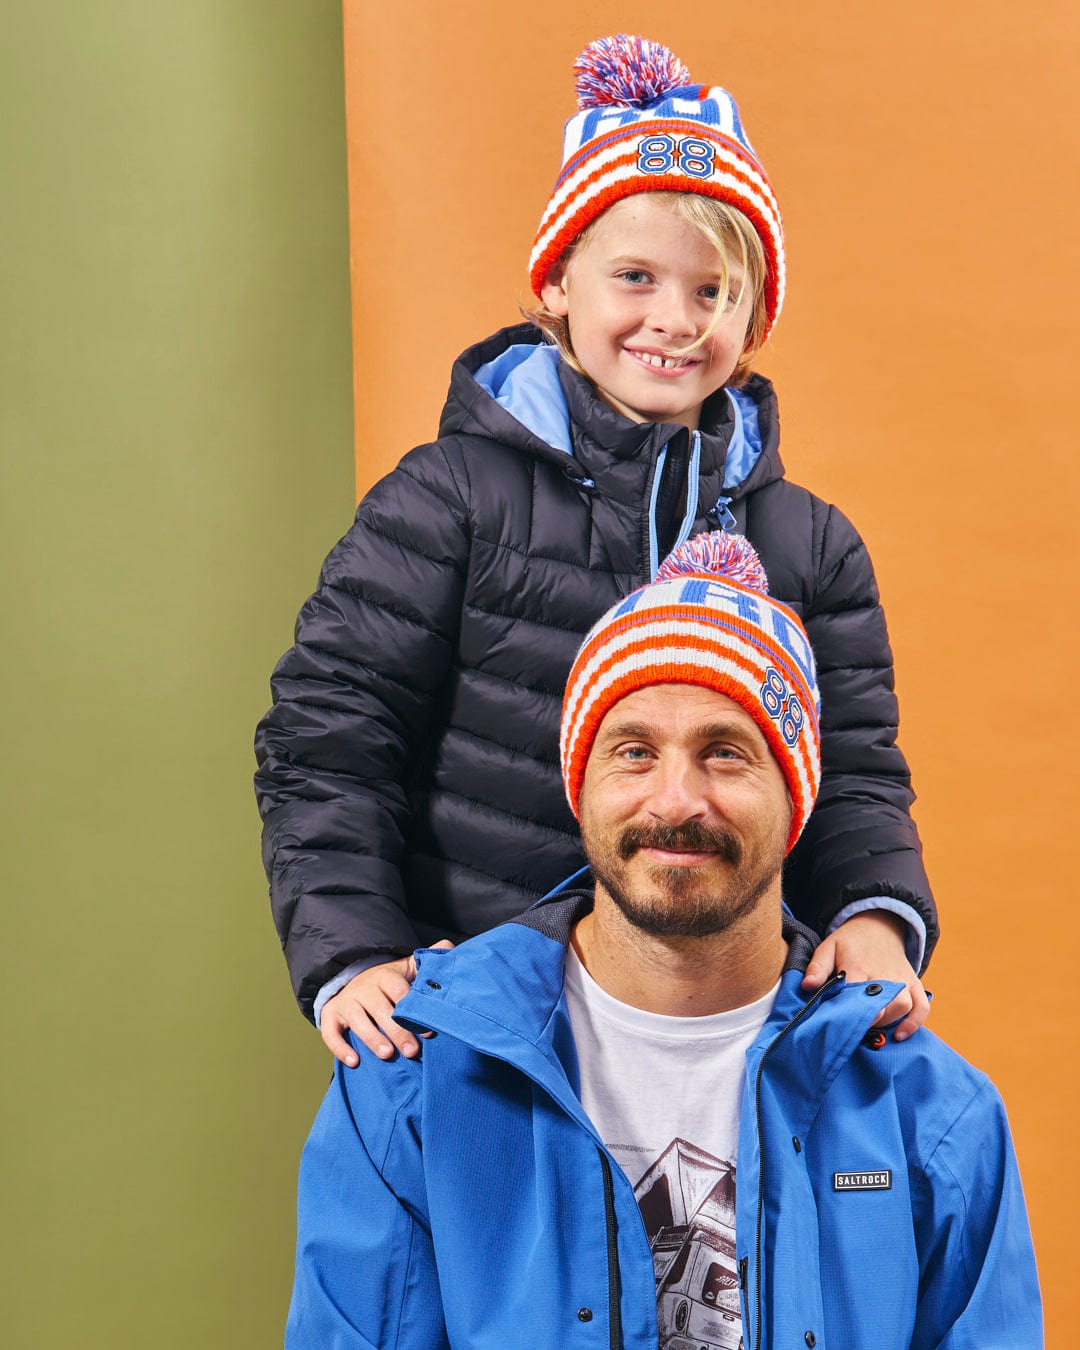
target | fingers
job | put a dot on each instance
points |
(920, 1011)
(377, 1032)
(366, 1008)
(909, 1010)
(335, 1042)
(820, 966)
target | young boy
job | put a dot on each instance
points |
(409, 768)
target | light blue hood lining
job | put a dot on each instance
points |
(744, 449)
(524, 379)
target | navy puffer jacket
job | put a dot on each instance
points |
(408, 769)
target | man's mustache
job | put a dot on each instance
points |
(691, 837)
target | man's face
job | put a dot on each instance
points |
(684, 811)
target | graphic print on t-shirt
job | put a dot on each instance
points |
(687, 1200)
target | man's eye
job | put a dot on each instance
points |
(635, 752)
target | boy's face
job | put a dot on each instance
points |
(644, 284)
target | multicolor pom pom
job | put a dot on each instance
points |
(631, 71)
(731, 556)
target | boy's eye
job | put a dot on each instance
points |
(634, 277)
(710, 293)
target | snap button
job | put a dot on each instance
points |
(873, 989)
(810, 1339)
(584, 1314)
(795, 1141)
(433, 984)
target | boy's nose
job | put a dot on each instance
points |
(671, 314)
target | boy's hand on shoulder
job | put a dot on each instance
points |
(366, 1006)
(870, 946)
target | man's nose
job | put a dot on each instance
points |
(677, 793)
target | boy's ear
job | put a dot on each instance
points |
(553, 291)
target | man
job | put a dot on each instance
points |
(559, 1169)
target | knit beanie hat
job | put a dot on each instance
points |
(645, 126)
(707, 619)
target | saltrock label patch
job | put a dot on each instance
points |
(862, 1181)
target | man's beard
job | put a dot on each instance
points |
(684, 901)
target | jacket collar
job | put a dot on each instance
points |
(502, 994)
(513, 974)
(608, 448)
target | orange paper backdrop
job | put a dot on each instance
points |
(921, 155)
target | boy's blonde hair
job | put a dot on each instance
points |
(735, 240)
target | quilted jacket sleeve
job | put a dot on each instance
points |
(860, 841)
(352, 702)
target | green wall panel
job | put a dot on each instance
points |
(177, 457)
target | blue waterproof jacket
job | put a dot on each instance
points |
(466, 1200)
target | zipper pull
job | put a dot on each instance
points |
(743, 1265)
(721, 513)
(578, 479)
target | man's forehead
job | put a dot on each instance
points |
(674, 708)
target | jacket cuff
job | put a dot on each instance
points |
(914, 937)
(341, 979)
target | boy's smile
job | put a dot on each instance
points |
(642, 288)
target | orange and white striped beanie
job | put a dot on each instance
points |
(708, 620)
(644, 125)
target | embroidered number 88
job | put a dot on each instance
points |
(696, 158)
(660, 154)
(779, 704)
(773, 693)
(656, 154)
(792, 720)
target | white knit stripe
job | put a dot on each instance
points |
(726, 108)
(587, 695)
(673, 108)
(639, 628)
(626, 117)
(729, 116)
(575, 192)
(806, 756)
(587, 681)
(591, 683)
(691, 109)
(617, 150)
(657, 632)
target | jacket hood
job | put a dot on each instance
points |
(514, 387)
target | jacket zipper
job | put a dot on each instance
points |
(658, 474)
(693, 471)
(833, 980)
(614, 1313)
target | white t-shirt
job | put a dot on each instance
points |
(664, 1094)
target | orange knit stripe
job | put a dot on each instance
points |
(666, 126)
(739, 628)
(591, 205)
(687, 674)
